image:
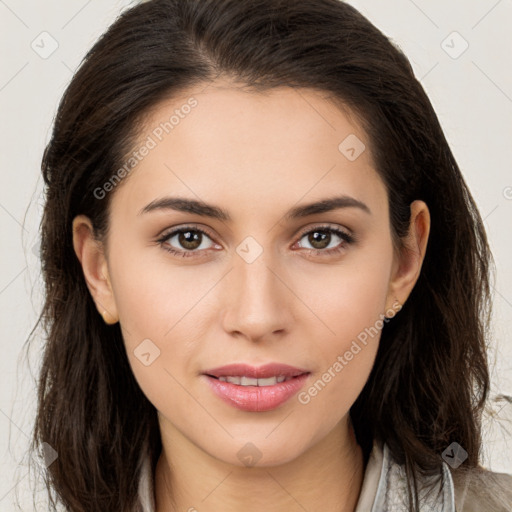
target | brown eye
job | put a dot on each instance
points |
(322, 237)
(319, 239)
(187, 241)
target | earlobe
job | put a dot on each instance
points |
(410, 260)
(90, 253)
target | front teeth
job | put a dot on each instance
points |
(249, 381)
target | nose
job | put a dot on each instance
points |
(258, 300)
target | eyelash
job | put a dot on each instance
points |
(347, 239)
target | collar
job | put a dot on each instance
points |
(385, 486)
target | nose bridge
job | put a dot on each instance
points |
(257, 304)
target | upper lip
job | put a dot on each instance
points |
(256, 372)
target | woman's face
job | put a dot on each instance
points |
(265, 282)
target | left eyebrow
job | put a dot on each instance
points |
(208, 210)
(326, 205)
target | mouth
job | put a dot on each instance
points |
(251, 381)
(256, 389)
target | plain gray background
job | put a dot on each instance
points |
(460, 50)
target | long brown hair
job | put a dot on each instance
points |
(430, 380)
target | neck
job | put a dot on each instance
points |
(326, 477)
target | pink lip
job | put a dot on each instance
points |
(256, 398)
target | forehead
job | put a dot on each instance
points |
(219, 140)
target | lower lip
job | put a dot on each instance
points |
(256, 398)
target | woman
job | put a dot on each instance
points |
(267, 284)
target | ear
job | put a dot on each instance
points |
(90, 253)
(408, 262)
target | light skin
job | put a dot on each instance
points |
(256, 156)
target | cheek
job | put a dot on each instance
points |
(154, 297)
(347, 356)
(349, 302)
(161, 310)
(348, 299)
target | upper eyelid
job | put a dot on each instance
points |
(326, 226)
(167, 233)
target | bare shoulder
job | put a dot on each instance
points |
(481, 490)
